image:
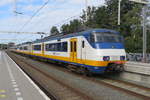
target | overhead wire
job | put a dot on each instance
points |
(68, 19)
(64, 21)
(31, 18)
(61, 22)
(34, 15)
(57, 24)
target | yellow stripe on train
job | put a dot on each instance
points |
(79, 61)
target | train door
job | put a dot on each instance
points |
(83, 52)
(42, 48)
(32, 46)
(73, 50)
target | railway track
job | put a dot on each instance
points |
(129, 88)
(56, 89)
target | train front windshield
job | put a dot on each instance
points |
(106, 37)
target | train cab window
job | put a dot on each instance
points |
(37, 47)
(108, 37)
(83, 44)
(92, 38)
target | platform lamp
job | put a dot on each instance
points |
(119, 6)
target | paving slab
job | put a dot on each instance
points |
(15, 84)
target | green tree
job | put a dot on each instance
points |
(88, 22)
(130, 26)
(54, 31)
(74, 26)
(101, 17)
(65, 29)
(106, 16)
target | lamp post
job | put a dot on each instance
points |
(86, 7)
(145, 3)
(144, 35)
(119, 11)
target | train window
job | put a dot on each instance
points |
(83, 44)
(25, 48)
(71, 47)
(37, 47)
(52, 47)
(58, 46)
(65, 46)
(75, 46)
(20, 48)
(47, 47)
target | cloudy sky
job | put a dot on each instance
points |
(54, 13)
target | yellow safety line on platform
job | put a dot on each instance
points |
(2, 96)
(2, 91)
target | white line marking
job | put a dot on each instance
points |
(13, 80)
(14, 83)
(2, 91)
(16, 89)
(15, 86)
(9, 70)
(18, 93)
(38, 89)
(19, 98)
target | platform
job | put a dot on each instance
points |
(137, 67)
(15, 84)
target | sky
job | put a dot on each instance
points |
(54, 13)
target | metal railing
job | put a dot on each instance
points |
(137, 57)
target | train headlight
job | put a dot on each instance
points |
(106, 58)
(122, 57)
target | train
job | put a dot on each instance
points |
(93, 51)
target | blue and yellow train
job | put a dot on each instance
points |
(92, 51)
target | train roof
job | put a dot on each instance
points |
(24, 43)
(61, 36)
